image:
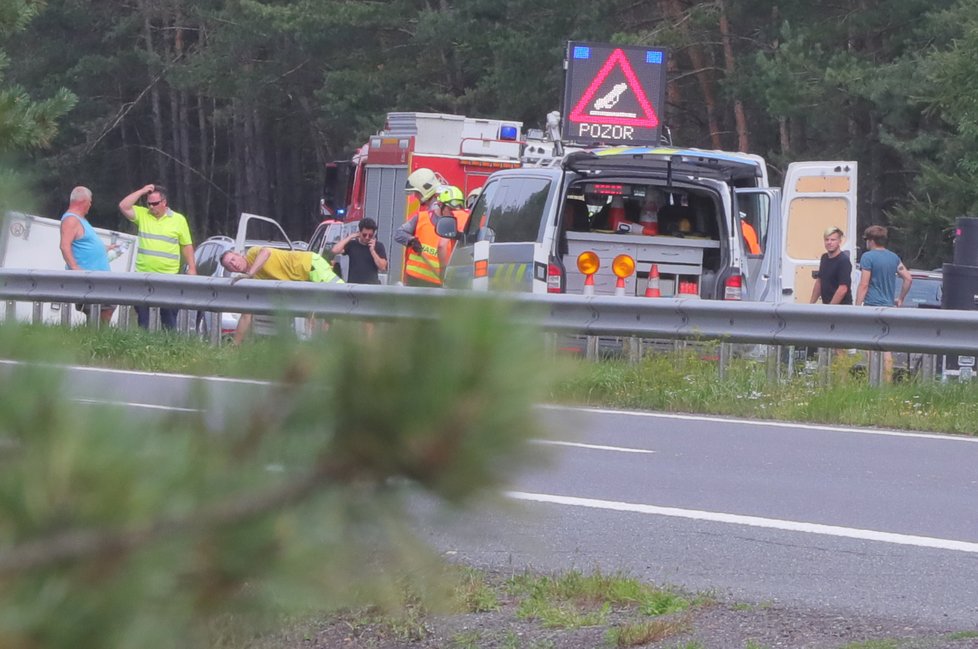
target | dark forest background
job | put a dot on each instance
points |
(236, 105)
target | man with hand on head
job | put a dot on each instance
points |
(163, 236)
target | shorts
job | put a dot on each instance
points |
(322, 272)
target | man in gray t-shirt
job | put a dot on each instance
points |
(880, 267)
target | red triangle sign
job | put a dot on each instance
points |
(601, 116)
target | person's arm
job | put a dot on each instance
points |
(907, 281)
(816, 290)
(405, 234)
(863, 286)
(839, 295)
(340, 247)
(380, 258)
(260, 259)
(126, 204)
(244, 325)
(188, 256)
(69, 232)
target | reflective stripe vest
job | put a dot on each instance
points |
(425, 266)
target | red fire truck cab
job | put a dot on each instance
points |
(463, 150)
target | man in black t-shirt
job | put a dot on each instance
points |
(367, 255)
(834, 281)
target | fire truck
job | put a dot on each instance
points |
(464, 151)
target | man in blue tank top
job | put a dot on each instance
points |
(80, 245)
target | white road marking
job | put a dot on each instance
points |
(108, 370)
(132, 404)
(769, 424)
(597, 447)
(752, 521)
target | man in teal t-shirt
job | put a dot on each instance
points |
(879, 270)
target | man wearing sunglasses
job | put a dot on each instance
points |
(367, 256)
(163, 237)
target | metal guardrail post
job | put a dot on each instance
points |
(215, 330)
(66, 314)
(10, 310)
(928, 366)
(723, 362)
(875, 368)
(591, 351)
(824, 364)
(37, 313)
(154, 318)
(773, 363)
(633, 346)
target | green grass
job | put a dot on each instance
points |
(873, 644)
(670, 382)
(645, 632)
(682, 382)
(575, 600)
(962, 635)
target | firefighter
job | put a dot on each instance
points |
(451, 202)
(426, 251)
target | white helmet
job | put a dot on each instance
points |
(424, 181)
(472, 197)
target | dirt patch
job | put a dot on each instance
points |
(706, 624)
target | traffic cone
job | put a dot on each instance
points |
(652, 288)
(616, 213)
(589, 285)
(649, 218)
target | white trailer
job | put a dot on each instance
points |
(34, 242)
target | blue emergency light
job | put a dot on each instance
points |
(508, 132)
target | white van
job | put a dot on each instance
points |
(677, 211)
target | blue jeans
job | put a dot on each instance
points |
(168, 317)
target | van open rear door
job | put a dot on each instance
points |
(817, 196)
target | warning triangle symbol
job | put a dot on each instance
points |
(649, 119)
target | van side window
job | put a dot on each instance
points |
(477, 219)
(516, 209)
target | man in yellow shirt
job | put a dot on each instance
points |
(163, 237)
(276, 264)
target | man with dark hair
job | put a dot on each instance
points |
(879, 269)
(367, 256)
(834, 281)
(163, 237)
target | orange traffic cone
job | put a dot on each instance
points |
(652, 288)
(616, 213)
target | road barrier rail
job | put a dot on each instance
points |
(869, 328)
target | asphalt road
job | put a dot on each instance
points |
(831, 519)
(839, 520)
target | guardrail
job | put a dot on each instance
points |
(869, 328)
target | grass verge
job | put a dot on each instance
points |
(669, 382)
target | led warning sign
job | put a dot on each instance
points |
(613, 94)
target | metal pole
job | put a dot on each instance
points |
(875, 368)
(824, 364)
(724, 362)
